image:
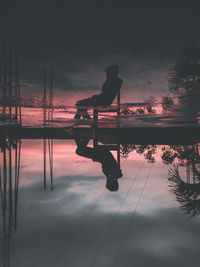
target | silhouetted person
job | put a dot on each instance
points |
(110, 167)
(110, 89)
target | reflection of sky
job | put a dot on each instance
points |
(80, 223)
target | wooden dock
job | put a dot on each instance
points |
(135, 135)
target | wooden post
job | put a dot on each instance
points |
(118, 104)
(118, 155)
(1, 68)
(51, 88)
(44, 124)
(51, 94)
(44, 151)
(16, 81)
(50, 144)
(4, 176)
(16, 185)
(17, 182)
(5, 74)
(45, 89)
(95, 113)
(10, 189)
(10, 79)
(51, 164)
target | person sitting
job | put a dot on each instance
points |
(110, 89)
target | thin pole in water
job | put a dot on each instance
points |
(51, 87)
(5, 73)
(16, 82)
(10, 78)
(17, 169)
(45, 89)
(44, 150)
(1, 68)
(4, 176)
(18, 93)
(10, 189)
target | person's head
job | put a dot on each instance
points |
(112, 184)
(112, 71)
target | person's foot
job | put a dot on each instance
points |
(87, 116)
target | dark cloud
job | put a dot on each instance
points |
(63, 228)
(78, 37)
(48, 30)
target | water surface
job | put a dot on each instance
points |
(77, 221)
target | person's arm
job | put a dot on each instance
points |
(119, 84)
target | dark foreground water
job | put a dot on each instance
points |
(152, 220)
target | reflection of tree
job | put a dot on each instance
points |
(146, 150)
(186, 194)
(125, 149)
(185, 154)
(149, 155)
(168, 156)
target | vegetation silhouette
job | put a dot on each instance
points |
(184, 81)
(187, 194)
(187, 191)
(146, 150)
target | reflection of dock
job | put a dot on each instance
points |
(10, 157)
(9, 184)
(134, 135)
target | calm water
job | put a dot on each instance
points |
(57, 211)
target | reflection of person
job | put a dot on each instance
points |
(110, 167)
(109, 91)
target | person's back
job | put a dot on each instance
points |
(110, 89)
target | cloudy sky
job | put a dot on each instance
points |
(80, 40)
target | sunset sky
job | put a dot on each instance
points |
(80, 40)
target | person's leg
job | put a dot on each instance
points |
(81, 141)
(86, 102)
(81, 111)
(82, 107)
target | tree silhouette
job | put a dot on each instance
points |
(184, 78)
(125, 149)
(167, 102)
(146, 150)
(184, 154)
(186, 194)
